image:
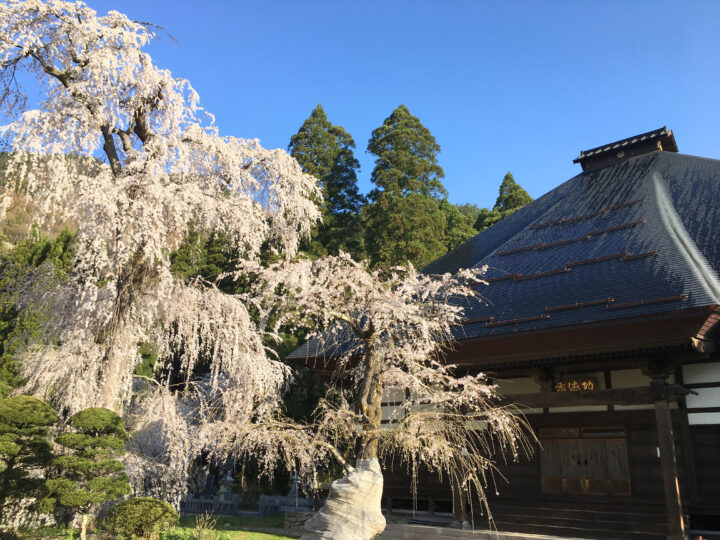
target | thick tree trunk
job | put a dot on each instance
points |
(352, 510)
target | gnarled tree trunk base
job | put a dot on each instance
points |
(352, 510)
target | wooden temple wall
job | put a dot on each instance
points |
(597, 453)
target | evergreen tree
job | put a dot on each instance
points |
(89, 473)
(24, 448)
(458, 227)
(409, 219)
(406, 157)
(470, 211)
(326, 152)
(405, 228)
(511, 197)
(486, 219)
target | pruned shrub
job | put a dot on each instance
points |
(143, 517)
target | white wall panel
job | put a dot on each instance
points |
(701, 373)
(703, 418)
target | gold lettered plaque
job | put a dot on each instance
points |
(576, 384)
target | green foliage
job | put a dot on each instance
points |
(405, 228)
(206, 256)
(142, 517)
(98, 421)
(486, 219)
(181, 533)
(89, 473)
(511, 198)
(24, 447)
(409, 219)
(36, 252)
(470, 211)
(326, 152)
(406, 157)
(303, 396)
(149, 354)
(458, 227)
(42, 261)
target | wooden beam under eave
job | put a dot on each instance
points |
(640, 395)
(640, 333)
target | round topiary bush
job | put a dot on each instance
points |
(143, 517)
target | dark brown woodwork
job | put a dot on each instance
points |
(595, 465)
(640, 395)
(620, 343)
(460, 514)
(672, 329)
(668, 461)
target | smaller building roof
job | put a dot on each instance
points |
(608, 154)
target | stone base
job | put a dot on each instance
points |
(352, 509)
(296, 520)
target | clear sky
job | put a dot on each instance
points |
(511, 85)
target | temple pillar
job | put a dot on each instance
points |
(668, 460)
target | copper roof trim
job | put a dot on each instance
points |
(640, 255)
(580, 304)
(598, 259)
(518, 249)
(478, 319)
(564, 242)
(650, 301)
(502, 278)
(575, 219)
(521, 320)
(542, 274)
(617, 227)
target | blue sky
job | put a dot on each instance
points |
(519, 86)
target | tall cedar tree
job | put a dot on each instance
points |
(326, 152)
(89, 474)
(511, 197)
(408, 218)
(24, 448)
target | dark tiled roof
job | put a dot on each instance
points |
(640, 237)
(637, 238)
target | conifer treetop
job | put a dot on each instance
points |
(406, 157)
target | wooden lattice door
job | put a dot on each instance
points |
(585, 461)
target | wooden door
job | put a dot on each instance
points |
(585, 466)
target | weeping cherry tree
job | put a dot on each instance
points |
(380, 333)
(123, 150)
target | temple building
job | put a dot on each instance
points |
(602, 321)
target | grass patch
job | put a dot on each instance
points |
(229, 523)
(54, 530)
(237, 528)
